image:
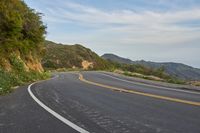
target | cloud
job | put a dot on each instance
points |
(130, 26)
(145, 33)
(87, 14)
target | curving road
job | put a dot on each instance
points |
(98, 102)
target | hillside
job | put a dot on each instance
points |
(116, 58)
(72, 56)
(21, 44)
(21, 36)
(179, 70)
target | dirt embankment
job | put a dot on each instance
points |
(29, 62)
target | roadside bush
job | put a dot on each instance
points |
(11, 79)
(7, 80)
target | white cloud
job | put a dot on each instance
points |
(147, 26)
(81, 13)
(147, 34)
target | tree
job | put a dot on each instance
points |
(21, 27)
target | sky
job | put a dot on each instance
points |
(152, 30)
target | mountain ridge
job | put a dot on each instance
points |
(178, 70)
(71, 56)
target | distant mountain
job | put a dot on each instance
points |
(71, 56)
(116, 58)
(179, 70)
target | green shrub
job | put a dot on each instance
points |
(7, 80)
(11, 79)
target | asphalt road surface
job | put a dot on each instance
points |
(96, 102)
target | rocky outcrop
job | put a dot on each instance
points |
(86, 65)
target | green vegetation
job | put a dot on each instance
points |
(142, 71)
(11, 79)
(21, 44)
(21, 28)
(178, 70)
(22, 48)
(70, 57)
(18, 76)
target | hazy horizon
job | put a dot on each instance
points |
(157, 30)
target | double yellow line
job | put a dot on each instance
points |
(140, 93)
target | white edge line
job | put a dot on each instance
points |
(159, 87)
(58, 116)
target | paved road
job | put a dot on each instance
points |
(97, 108)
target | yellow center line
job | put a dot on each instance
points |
(140, 93)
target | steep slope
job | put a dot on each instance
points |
(179, 70)
(21, 36)
(21, 44)
(72, 56)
